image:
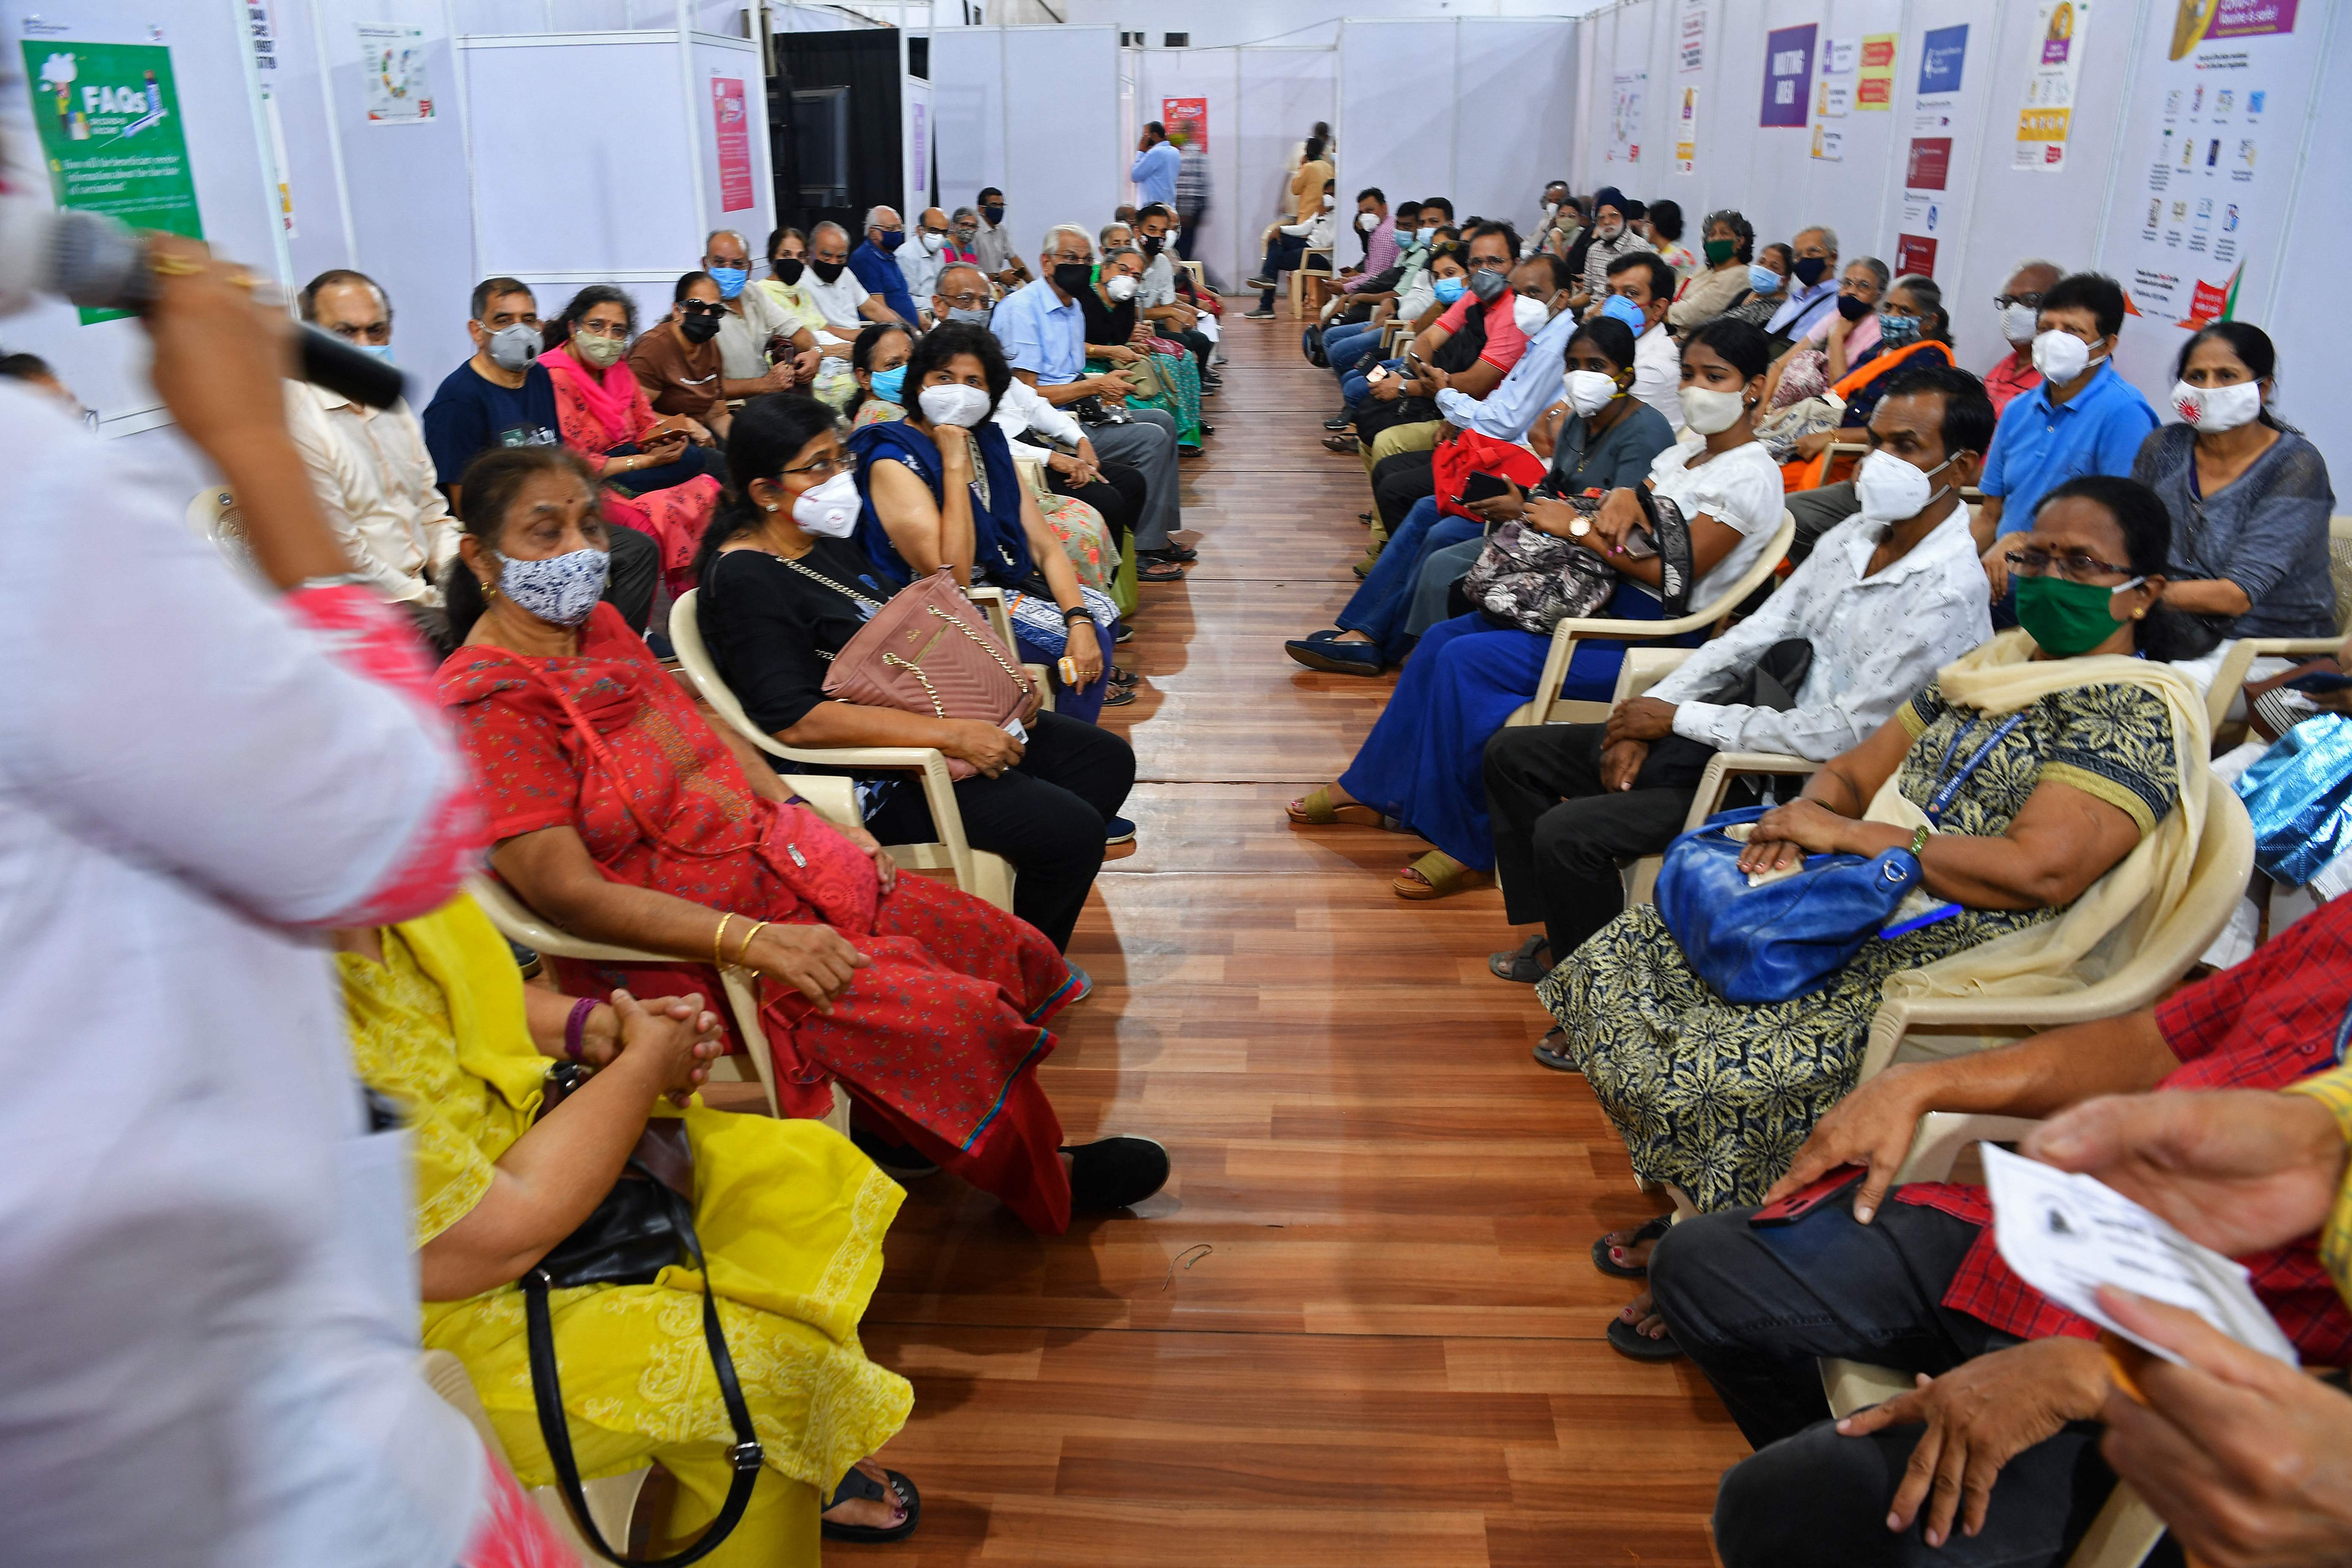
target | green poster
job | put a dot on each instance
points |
(109, 120)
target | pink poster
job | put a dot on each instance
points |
(734, 143)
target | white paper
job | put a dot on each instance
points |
(2067, 1234)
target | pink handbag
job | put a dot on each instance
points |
(928, 651)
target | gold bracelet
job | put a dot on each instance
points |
(743, 951)
(718, 958)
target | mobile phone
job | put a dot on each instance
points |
(1809, 1198)
(2320, 681)
(1484, 487)
(1378, 372)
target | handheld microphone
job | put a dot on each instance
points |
(102, 265)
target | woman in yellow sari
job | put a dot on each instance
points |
(789, 1214)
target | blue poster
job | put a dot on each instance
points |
(1945, 52)
(1788, 76)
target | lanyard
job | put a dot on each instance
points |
(1942, 799)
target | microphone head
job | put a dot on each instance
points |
(97, 263)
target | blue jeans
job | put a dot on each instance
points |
(1379, 607)
(1343, 346)
(1440, 570)
(1354, 388)
(1283, 254)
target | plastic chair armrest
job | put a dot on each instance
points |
(1944, 1135)
(2291, 648)
(1725, 766)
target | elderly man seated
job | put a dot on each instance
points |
(1042, 329)
(921, 263)
(876, 262)
(1995, 1457)
(1813, 287)
(755, 318)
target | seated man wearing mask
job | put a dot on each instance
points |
(2020, 304)
(999, 257)
(876, 262)
(1042, 329)
(1812, 284)
(1611, 237)
(1888, 600)
(754, 318)
(1641, 291)
(1156, 298)
(2084, 418)
(922, 264)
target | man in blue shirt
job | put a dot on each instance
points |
(1812, 283)
(878, 268)
(2082, 419)
(1042, 332)
(1156, 165)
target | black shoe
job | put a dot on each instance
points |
(1125, 634)
(1118, 676)
(898, 1159)
(1261, 283)
(1115, 1174)
(1118, 696)
(1338, 421)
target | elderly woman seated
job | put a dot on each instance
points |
(2024, 774)
(443, 1027)
(621, 814)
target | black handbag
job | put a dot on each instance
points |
(644, 1225)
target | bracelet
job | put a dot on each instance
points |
(1918, 841)
(574, 1024)
(1079, 614)
(741, 951)
(718, 958)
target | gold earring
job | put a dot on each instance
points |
(2140, 613)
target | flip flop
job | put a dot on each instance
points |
(1345, 445)
(1553, 1051)
(857, 1484)
(1523, 964)
(1147, 571)
(1320, 810)
(1439, 875)
(1648, 1230)
(1636, 1345)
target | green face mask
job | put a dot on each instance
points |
(2066, 618)
(1719, 251)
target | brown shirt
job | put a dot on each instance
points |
(679, 377)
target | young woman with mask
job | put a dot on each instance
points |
(2249, 496)
(1421, 765)
(620, 814)
(940, 488)
(676, 362)
(784, 589)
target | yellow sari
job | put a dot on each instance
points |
(790, 1217)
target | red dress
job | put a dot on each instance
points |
(939, 1036)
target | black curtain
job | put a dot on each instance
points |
(865, 61)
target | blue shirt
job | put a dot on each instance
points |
(878, 270)
(2039, 446)
(1154, 174)
(1802, 309)
(1509, 411)
(470, 414)
(1041, 334)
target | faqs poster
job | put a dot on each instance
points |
(109, 120)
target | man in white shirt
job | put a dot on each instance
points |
(1644, 280)
(368, 467)
(921, 262)
(999, 258)
(1884, 602)
(847, 305)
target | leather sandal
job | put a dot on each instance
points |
(1437, 875)
(1529, 963)
(1347, 446)
(1553, 1051)
(1320, 810)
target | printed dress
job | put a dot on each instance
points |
(1718, 1098)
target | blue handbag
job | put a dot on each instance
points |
(1787, 938)
(2299, 794)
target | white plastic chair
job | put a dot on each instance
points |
(2231, 679)
(1298, 278)
(2126, 1530)
(612, 1499)
(1551, 708)
(976, 871)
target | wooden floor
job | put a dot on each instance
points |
(1361, 1327)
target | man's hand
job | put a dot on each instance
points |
(1508, 507)
(1433, 380)
(2246, 1460)
(1814, 443)
(1979, 1415)
(1622, 764)
(1873, 1125)
(1388, 389)
(1996, 567)
(2237, 1170)
(1639, 719)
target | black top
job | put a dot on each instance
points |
(1106, 324)
(768, 623)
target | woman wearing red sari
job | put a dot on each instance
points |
(663, 476)
(621, 814)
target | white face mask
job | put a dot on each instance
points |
(2218, 407)
(1531, 314)
(1589, 392)
(1120, 287)
(1367, 221)
(2017, 323)
(1891, 489)
(829, 509)
(1710, 413)
(954, 405)
(2060, 356)
(932, 242)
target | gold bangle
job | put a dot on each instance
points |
(173, 266)
(718, 958)
(744, 951)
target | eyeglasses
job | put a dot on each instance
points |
(703, 307)
(1064, 259)
(379, 332)
(2003, 302)
(971, 298)
(823, 469)
(2073, 566)
(604, 329)
(1491, 264)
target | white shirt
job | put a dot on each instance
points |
(183, 777)
(373, 476)
(921, 268)
(1876, 642)
(1658, 374)
(1157, 285)
(994, 245)
(743, 335)
(1318, 229)
(1021, 410)
(839, 300)
(1740, 488)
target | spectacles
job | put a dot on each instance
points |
(703, 307)
(823, 469)
(1491, 264)
(2073, 566)
(379, 332)
(2003, 302)
(1065, 259)
(604, 329)
(970, 298)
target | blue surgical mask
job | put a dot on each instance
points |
(1426, 235)
(730, 279)
(1763, 279)
(889, 384)
(1448, 289)
(1617, 308)
(381, 351)
(560, 590)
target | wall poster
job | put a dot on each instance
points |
(1788, 76)
(2046, 116)
(1628, 93)
(1873, 87)
(1928, 184)
(109, 119)
(392, 61)
(1690, 36)
(1186, 121)
(734, 133)
(1686, 131)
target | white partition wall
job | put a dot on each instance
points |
(1034, 113)
(1215, 77)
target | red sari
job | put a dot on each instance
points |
(939, 1036)
(596, 411)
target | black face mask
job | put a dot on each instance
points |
(1151, 244)
(1809, 269)
(788, 270)
(993, 214)
(1488, 286)
(1073, 277)
(1853, 308)
(698, 329)
(826, 271)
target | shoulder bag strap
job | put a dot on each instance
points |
(555, 1427)
(595, 742)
